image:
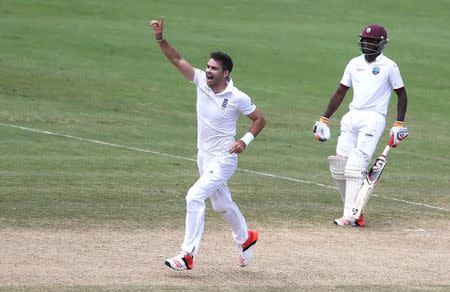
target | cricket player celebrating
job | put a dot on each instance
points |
(219, 104)
(373, 76)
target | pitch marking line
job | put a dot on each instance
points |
(194, 160)
(415, 230)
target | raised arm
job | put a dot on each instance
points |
(170, 52)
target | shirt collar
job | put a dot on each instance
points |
(380, 56)
(377, 59)
(229, 87)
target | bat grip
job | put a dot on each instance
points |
(388, 146)
(391, 140)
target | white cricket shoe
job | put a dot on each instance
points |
(345, 221)
(246, 249)
(182, 261)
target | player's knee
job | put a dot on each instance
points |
(356, 165)
(217, 203)
(193, 202)
(218, 208)
(221, 205)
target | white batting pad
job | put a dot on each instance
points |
(355, 171)
(337, 167)
(356, 166)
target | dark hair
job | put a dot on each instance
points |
(224, 59)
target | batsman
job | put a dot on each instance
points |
(373, 77)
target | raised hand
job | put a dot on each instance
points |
(158, 28)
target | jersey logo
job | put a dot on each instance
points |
(224, 103)
(375, 70)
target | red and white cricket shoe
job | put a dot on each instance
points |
(246, 249)
(345, 221)
(182, 261)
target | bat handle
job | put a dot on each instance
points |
(391, 140)
(388, 146)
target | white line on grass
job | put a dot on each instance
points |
(97, 142)
(194, 160)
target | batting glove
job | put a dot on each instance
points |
(399, 131)
(321, 130)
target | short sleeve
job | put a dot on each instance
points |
(246, 105)
(395, 78)
(347, 77)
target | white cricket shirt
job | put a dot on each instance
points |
(372, 82)
(217, 114)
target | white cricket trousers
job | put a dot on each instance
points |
(214, 172)
(360, 130)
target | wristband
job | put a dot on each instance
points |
(324, 120)
(247, 138)
(399, 124)
(160, 39)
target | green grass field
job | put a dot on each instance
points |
(90, 70)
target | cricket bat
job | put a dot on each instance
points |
(371, 179)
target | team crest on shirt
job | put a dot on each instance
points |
(375, 70)
(224, 103)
